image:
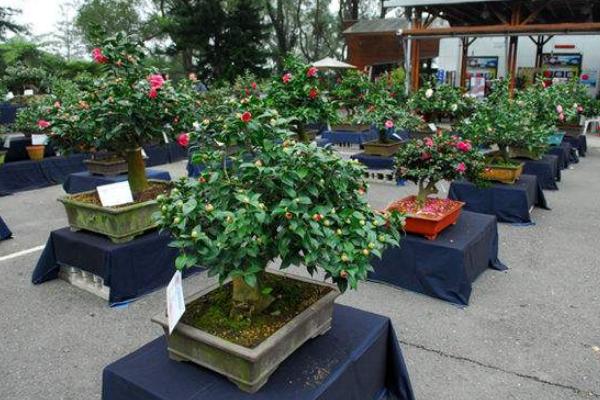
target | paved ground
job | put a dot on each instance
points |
(529, 333)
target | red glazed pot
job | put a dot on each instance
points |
(429, 225)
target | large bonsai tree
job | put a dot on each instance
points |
(263, 197)
(300, 94)
(128, 106)
(440, 157)
(350, 91)
(437, 101)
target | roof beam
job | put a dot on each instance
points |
(504, 30)
(536, 11)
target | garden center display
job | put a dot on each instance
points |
(264, 197)
(426, 163)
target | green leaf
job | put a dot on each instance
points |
(250, 279)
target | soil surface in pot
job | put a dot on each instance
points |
(432, 208)
(151, 193)
(211, 313)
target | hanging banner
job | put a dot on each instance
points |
(485, 67)
(561, 66)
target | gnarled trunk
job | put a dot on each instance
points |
(136, 170)
(249, 300)
(425, 191)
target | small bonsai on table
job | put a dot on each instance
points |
(426, 163)
(438, 102)
(261, 199)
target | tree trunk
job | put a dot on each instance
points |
(249, 300)
(383, 136)
(425, 191)
(301, 133)
(505, 154)
(136, 171)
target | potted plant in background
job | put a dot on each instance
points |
(300, 94)
(349, 92)
(437, 103)
(426, 163)
(569, 101)
(128, 106)
(271, 199)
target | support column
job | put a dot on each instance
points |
(415, 52)
(466, 43)
(513, 44)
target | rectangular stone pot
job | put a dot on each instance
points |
(430, 226)
(249, 368)
(503, 174)
(106, 167)
(120, 224)
(376, 148)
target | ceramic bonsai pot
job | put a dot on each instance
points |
(571, 130)
(428, 224)
(351, 128)
(249, 368)
(376, 148)
(107, 166)
(36, 152)
(503, 173)
(120, 224)
(556, 139)
(517, 152)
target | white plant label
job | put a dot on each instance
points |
(433, 127)
(175, 302)
(144, 155)
(115, 194)
(165, 137)
(37, 140)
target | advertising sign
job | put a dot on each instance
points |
(561, 66)
(482, 67)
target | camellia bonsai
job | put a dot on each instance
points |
(262, 199)
(438, 102)
(427, 162)
(570, 100)
(349, 93)
(508, 124)
(128, 106)
(300, 95)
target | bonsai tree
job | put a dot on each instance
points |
(569, 100)
(300, 94)
(505, 122)
(128, 106)
(435, 102)
(350, 91)
(263, 197)
(440, 157)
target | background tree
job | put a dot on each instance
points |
(67, 39)
(319, 31)
(7, 24)
(284, 17)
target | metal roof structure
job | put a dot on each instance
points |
(387, 25)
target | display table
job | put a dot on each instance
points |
(375, 162)
(546, 170)
(129, 269)
(358, 359)
(8, 113)
(579, 143)
(16, 148)
(84, 181)
(348, 137)
(509, 203)
(566, 154)
(443, 268)
(5, 233)
(164, 154)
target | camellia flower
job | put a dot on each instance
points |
(286, 78)
(183, 139)
(313, 93)
(254, 85)
(246, 117)
(429, 93)
(579, 109)
(428, 142)
(464, 146)
(561, 117)
(461, 168)
(454, 107)
(425, 156)
(559, 109)
(389, 124)
(312, 72)
(153, 93)
(98, 56)
(156, 81)
(43, 124)
(57, 104)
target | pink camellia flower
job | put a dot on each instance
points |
(246, 117)
(57, 104)
(464, 146)
(286, 78)
(153, 93)
(43, 124)
(183, 139)
(156, 81)
(579, 109)
(98, 56)
(561, 117)
(313, 93)
(461, 168)
(428, 142)
(312, 72)
(389, 124)
(559, 109)
(254, 85)
(425, 156)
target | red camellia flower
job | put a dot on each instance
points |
(246, 117)
(98, 56)
(548, 74)
(183, 139)
(461, 168)
(428, 142)
(313, 93)
(254, 85)
(585, 77)
(153, 93)
(389, 124)
(156, 81)
(312, 72)
(43, 124)
(286, 78)
(425, 156)
(464, 146)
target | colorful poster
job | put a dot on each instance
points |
(561, 66)
(482, 67)
(589, 77)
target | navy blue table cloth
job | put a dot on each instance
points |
(5, 233)
(509, 203)
(579, 143)
(129, 269)
(566, 154)
(164, 154)
(546, 169)
(338, 137)
(358, 359)
(375, 162)
(8, 113)
(84, 181)
(443, 268)
(17, 151)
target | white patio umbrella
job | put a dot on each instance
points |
(332, 63)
